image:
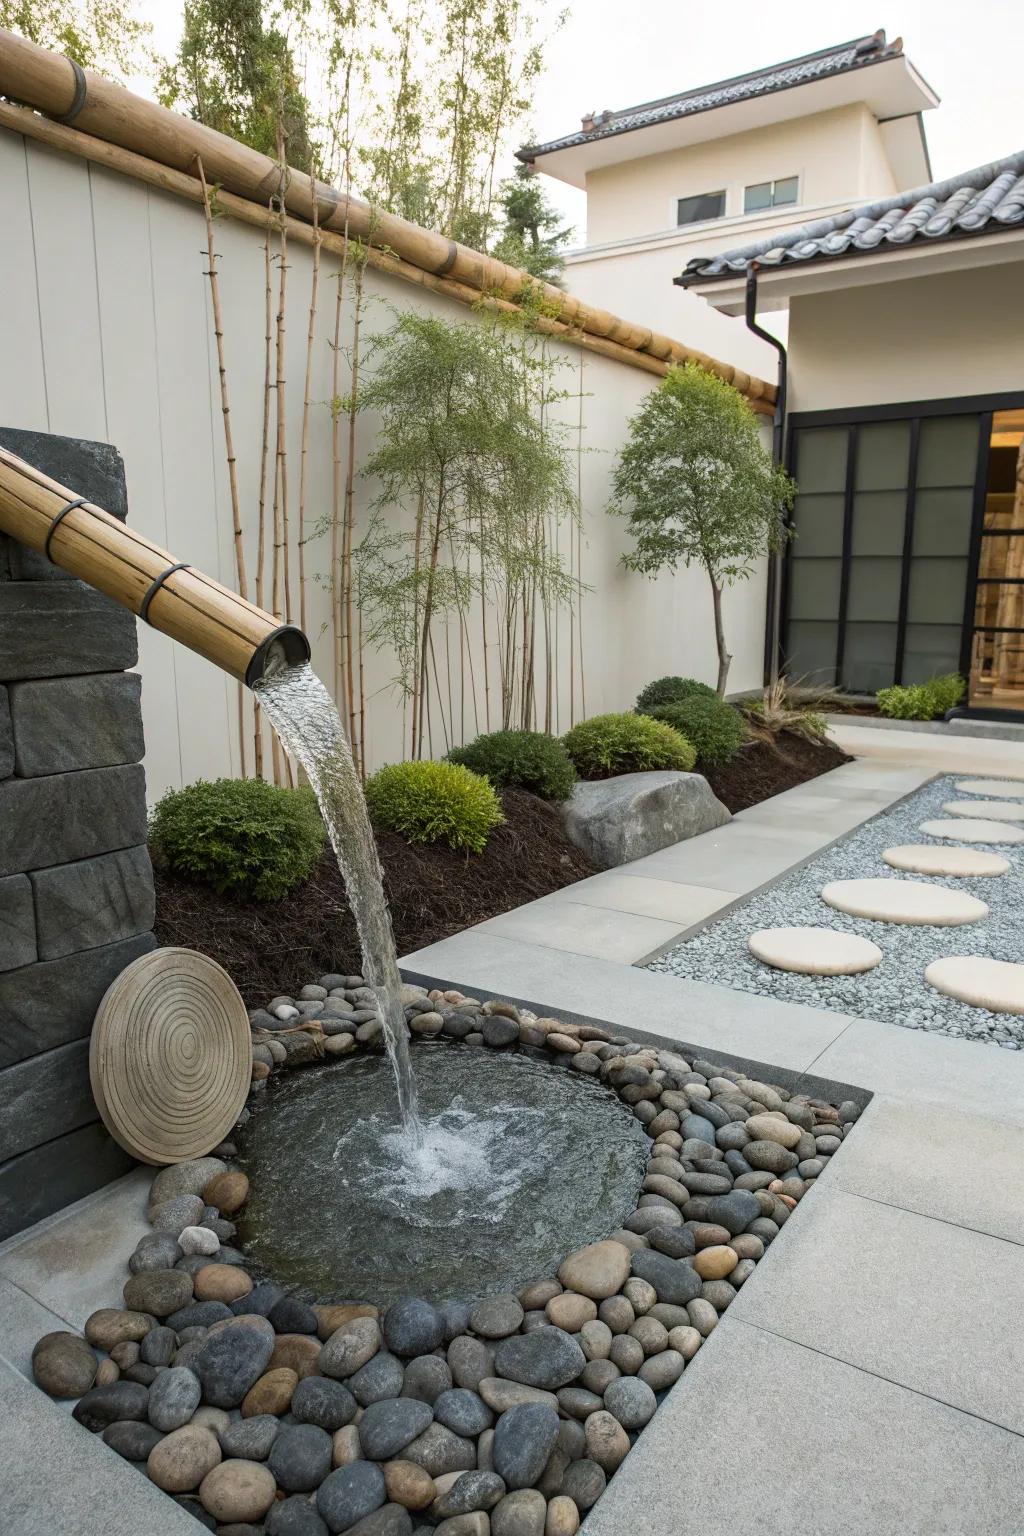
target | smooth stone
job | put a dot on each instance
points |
(389, 1520)
(350, 1347)
(228, 1191)
(64, 1365)
(158, 1291)
(157, 1250)
(627, 1353)
(563, 1518)
(171, 1216)
(249, 1439)
(426, 1377)
(649, 1333)
(238, 1491)
(598, 1271)
(408, 1485)
(272, 1393)
(387, 1427)
(289, 1315)
(502, 1395)
(597, 1374)
(439, 1450)
(158, 1347)
(813, 951)
(974, 830)
(584, 1483)
(988, 810)
(350, 1494)
(299, 1352)
(295, 1516)
(578, 1402)
(469, 1491)
(903, 901)
(200, 1314)
(300, 1457)
(520, 1513)
(773, 1128)
(173, 1398)
(209, 1417)
(703, 1316)
(331, 1318)
(229, 1363)
(570, 1311)
(222, 1282)
(413, 1326)
(469, 1360)
(130, 1439)
(198, 1240)
(182, 1459)
(676, 1242)
(189, 1178)
(548, 1358)
(640, 1294)
(346, 1446)
(464, 1411)
(673, 1279)
(496, 1317)
(697, 1128)
(475, 1524)
(769, 1157)
(595, 1339)
(381, 1377)
(320, 1400)
(101, 1406)
(663, 1370)
(685, 1340)
(715, 1263)
(929, 859)
(524, 1437)
(607, 1442)
(997, 985)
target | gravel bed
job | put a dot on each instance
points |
(895, 992)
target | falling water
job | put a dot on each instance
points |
(303, 714)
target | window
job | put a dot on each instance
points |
(706, 205)
(770, 194)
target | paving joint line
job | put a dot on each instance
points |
(945, 1221)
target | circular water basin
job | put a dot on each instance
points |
(522, 1162)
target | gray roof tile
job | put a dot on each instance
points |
(976, 202)
(836, 60)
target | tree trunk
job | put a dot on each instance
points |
(723, 655)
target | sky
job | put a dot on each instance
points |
(611, 55)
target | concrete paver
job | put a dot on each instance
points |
(586, 930)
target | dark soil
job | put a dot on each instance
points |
(763, 768)
(274, 947)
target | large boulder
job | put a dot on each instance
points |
(616, 820)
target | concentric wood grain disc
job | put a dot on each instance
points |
(170, 1057)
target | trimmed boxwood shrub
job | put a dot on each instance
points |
(528, 759)
(671, 690)
(715, 728)
(430, 802)
(242, 836)
(628, 743)
(922, 701)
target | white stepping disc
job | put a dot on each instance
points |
(929, 859)
(994, 984)
(992, 810)
(1005, 789)
(903, 901)
(960, 829)
(814, 951)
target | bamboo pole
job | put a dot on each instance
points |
(156, 146)
(306, 406)
(187, 605)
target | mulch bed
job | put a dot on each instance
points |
(765, 768)
(271, 947)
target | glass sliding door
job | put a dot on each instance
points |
(997, 630)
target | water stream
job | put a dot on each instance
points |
(304, 717)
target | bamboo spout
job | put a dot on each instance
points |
(190, 607)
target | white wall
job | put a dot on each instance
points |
(921, 338)
(105, 333)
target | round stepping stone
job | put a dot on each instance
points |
(1006, 789)
(814, 951)
(903, 901)
(927, 859)
(170, 1056)
(992, 810)
(996, 985)
(963, 830)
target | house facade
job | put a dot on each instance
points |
(905, 432)
(726, 164)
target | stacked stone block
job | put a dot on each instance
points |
(76, 886)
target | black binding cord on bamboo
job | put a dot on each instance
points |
(155, 586)
(79, 501)
(78, 100)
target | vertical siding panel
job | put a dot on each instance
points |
(62, 226)
(22, 378)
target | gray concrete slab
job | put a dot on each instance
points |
(763, 1435)
(736, 858)
(570, 925)
(920, 1302)
(623, 890)
(939, 1161)
(76, 1261)
(57, 1479)
(25, 1321)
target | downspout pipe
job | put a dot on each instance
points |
(168, 594)
(773, 617)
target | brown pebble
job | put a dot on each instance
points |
(331, 1318)
(227, 1191)
(238, 1491)
(114, 1325)
(106, 1374)
(716, 1262)
(408, 1485)
(298, 1352)
(570, 1311)
(221, 1282)
(271, 1394)
(346, 1446)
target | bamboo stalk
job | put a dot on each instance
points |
(306, 406)
(576, 323)
(349, 518)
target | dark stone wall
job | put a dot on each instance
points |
(76, 887)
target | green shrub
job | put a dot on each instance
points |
(528, 759)
(671, 690)
(431, 802)
(242, 836)
(716, 729)
(922, 701)
(610, 744)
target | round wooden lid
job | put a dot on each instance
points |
(170, 1059)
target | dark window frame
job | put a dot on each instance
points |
(914, 412)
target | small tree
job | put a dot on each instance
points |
(697, 485)
(532, 234)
